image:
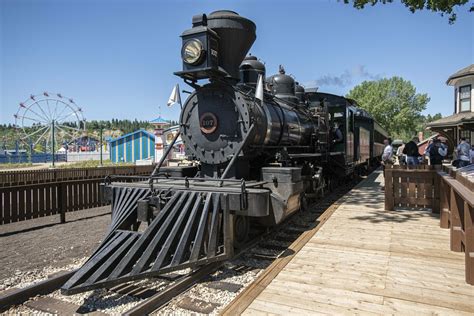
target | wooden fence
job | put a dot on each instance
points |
(23, 202)
(447, 192)
(31, 194)
(412, 187)
(12, 178)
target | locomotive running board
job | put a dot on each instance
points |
(192, 229)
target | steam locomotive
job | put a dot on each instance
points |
(262, 146)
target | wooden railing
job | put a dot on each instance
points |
(448, 192)
(411, 187)
(11, 178)
(457, 214)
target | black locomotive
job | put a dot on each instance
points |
(262, 147)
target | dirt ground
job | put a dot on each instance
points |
(44, 242)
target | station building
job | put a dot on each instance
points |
(461, 123)
(131, 147)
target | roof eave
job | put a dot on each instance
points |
(450, 80)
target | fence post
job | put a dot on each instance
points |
(437, 192)
(444, 204)
(469, 240)
(456, 227)
(62, 201)
(389, 203)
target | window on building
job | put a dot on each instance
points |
(465, 98)
(465, 134)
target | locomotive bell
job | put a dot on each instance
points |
(216, 45)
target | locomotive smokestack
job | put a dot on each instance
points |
(236, 36)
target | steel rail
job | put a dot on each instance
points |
(18, 296)
(166, 295)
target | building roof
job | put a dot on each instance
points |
(466, 71)
(135, 132)
(426, 140)
(159, 120)
(453, 120)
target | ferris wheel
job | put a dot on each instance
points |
(49, 119)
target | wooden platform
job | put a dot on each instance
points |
(369, 261)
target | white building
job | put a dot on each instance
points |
(461, 123)
(463, 83)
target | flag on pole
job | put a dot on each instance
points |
(175, 96)
(259, 89)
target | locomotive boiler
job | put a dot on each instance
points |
(261, 147)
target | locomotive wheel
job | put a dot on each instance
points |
(241, 230)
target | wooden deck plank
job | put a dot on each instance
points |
(333, 296)
(366, 260)
(403, 307)
(255, 312)
(334, 281)
(430, 297)
(302, 302)
(280, 309)
(433, 284)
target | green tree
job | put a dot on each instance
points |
(424, 120)
(441, 6)
(394, 103)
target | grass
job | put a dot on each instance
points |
(15, 165)
(93, 164)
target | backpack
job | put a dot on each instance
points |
(435, 152)
(442, 151)
(411, 149)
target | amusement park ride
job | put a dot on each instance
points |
(48, 119)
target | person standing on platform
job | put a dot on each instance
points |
(463, 150)
(402, 158)
(387, 155)
(472, 154)
(411, 150)
(426, 154)
(437, 152)
(387, 152)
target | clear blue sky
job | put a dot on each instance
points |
(117, 58)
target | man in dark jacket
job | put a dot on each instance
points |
(437, 152)
(411, 150)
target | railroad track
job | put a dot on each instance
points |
(194, 292)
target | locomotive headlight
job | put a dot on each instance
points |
(192, 52)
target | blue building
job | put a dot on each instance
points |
(132, 147)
